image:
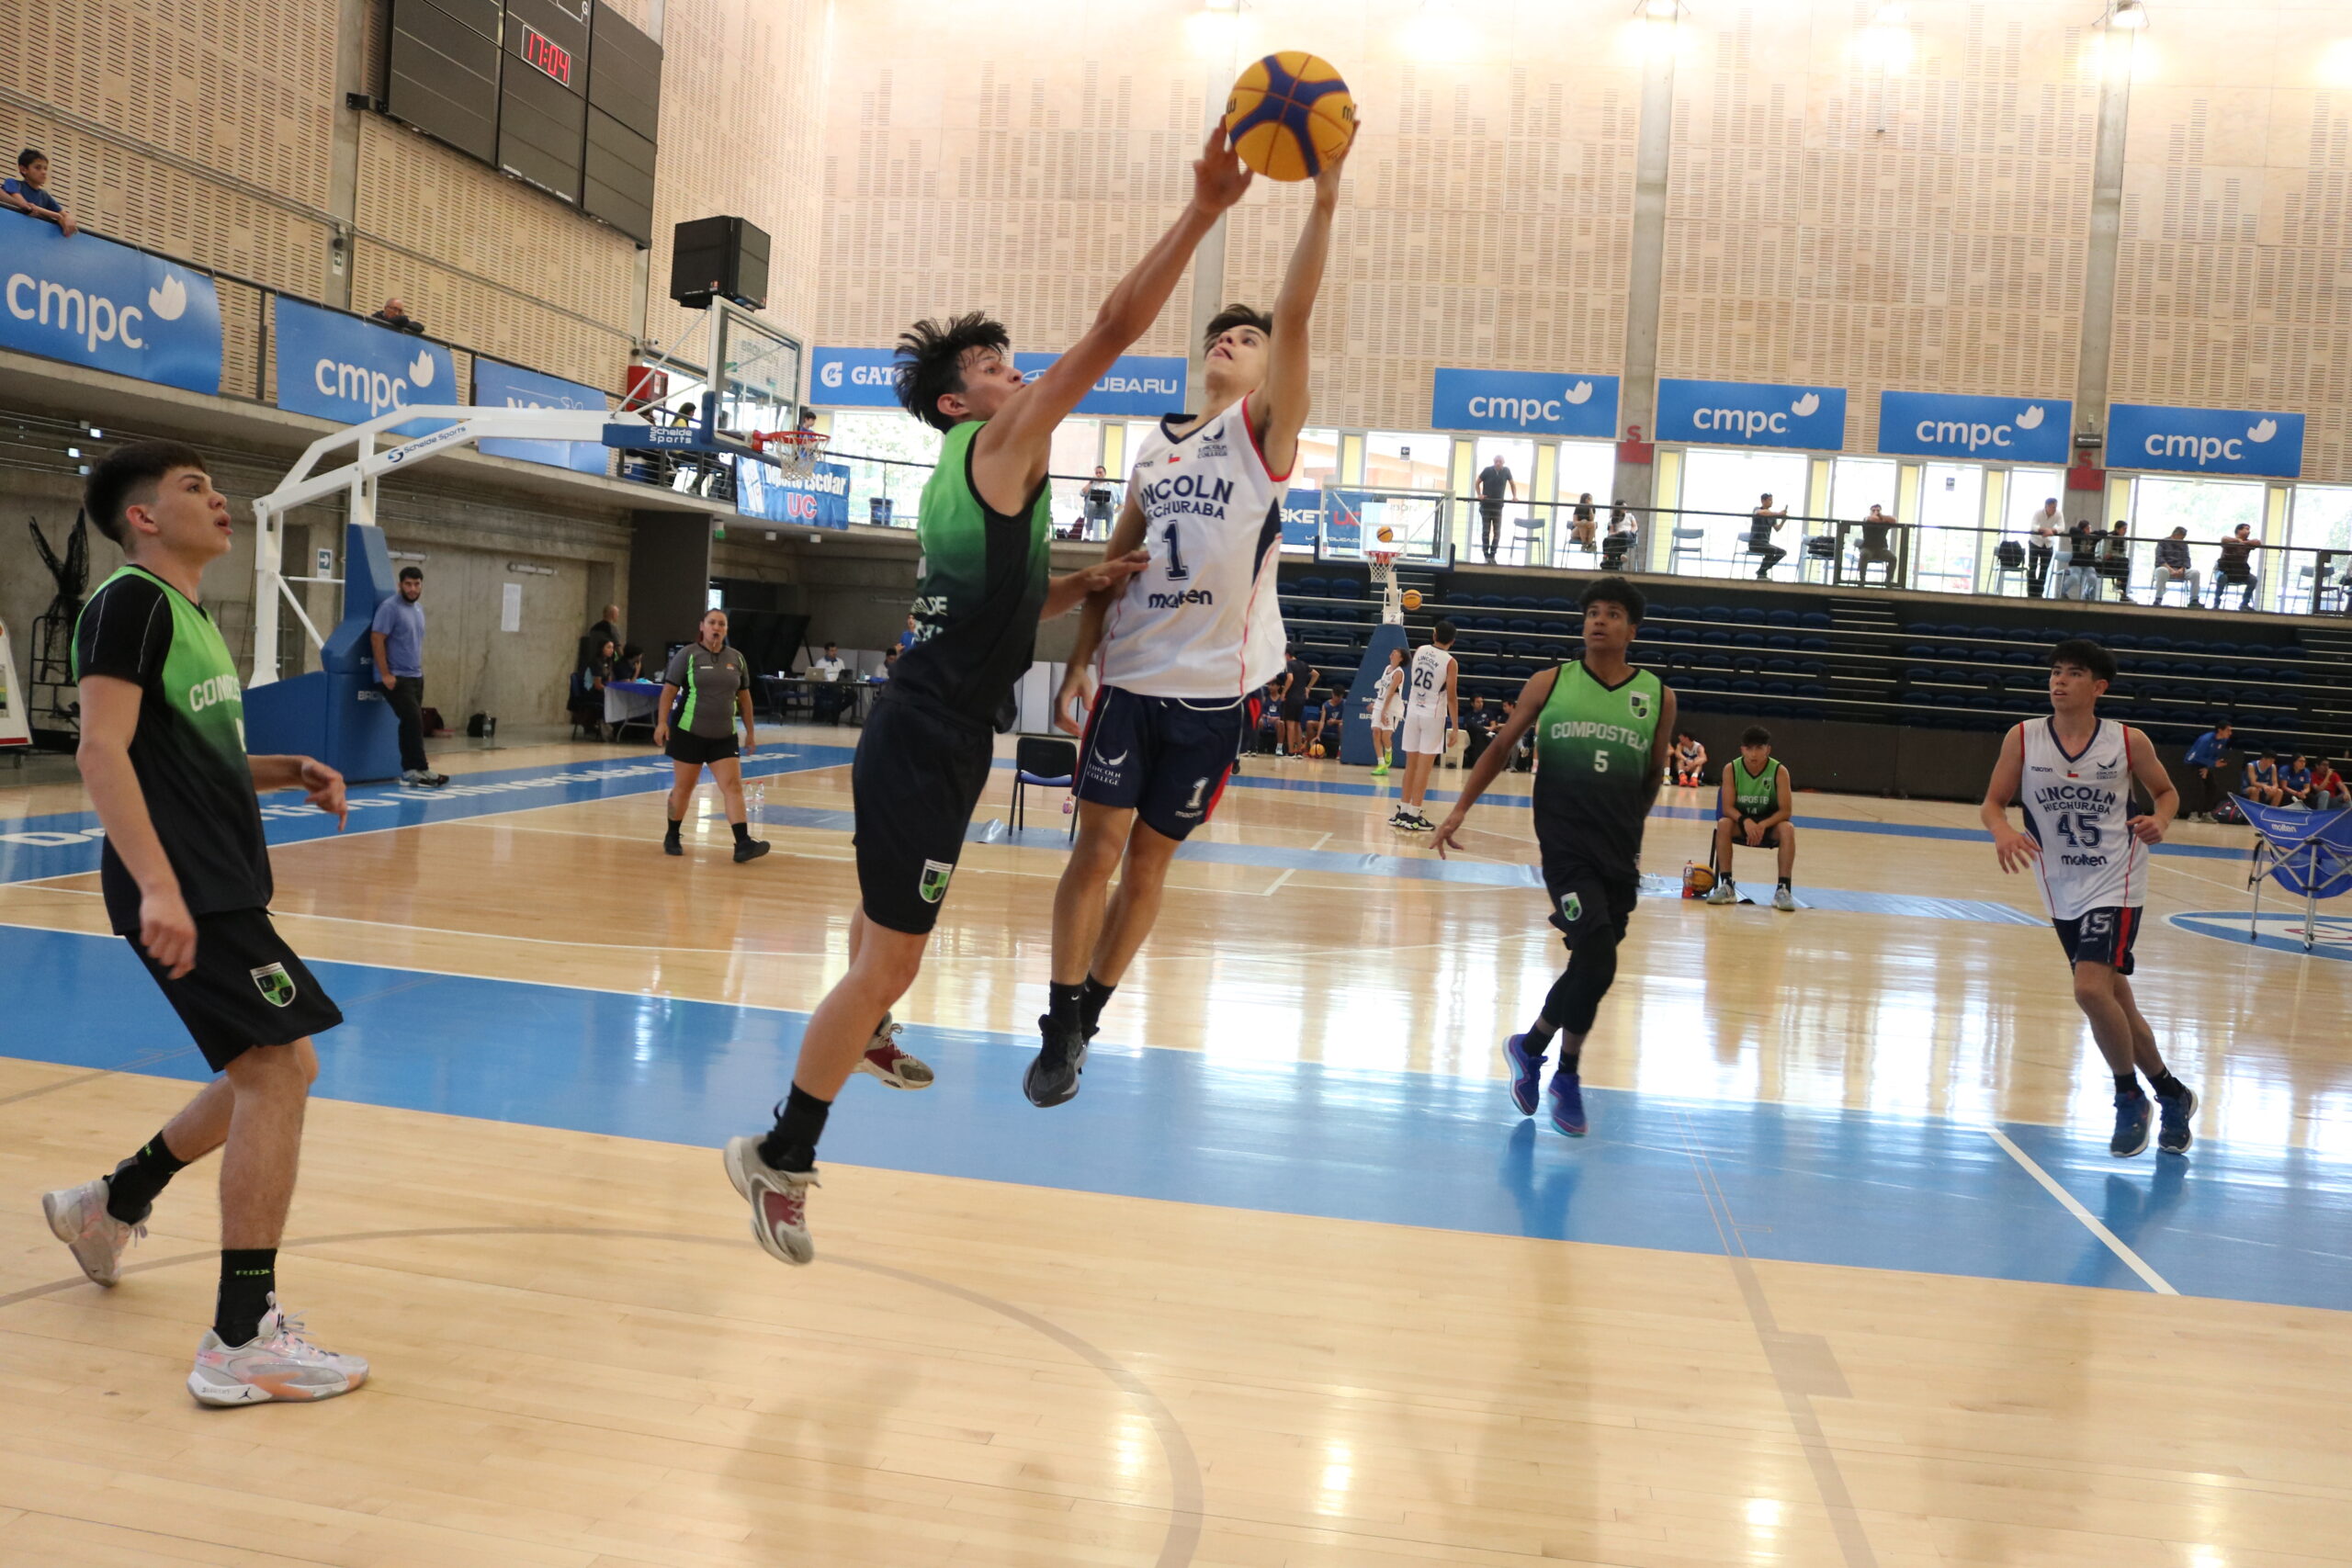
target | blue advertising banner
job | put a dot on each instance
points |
(1751, 414)
(500, 386)
(1995, 430)
(1528, 402)
(766, 492)
(852, 379)
(1343, 519)
(90, 301)
(1138, 386)
(1302, 516)
(349, 370)
(2205, 441)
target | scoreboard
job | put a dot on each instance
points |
(565, 94)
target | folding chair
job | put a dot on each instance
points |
(1044, 761)
(2308, 852)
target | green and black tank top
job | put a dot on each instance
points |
(983, 585)
(1593, 745)
(1756, 795)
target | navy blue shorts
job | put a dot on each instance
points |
(2102, 936)
(1164, 758)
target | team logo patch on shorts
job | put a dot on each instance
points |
(935, 873)
(1571, 908)
(275, 985)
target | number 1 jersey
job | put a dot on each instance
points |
(1201, 621)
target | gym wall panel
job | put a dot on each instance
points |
(2237, 213)
(1877, 208)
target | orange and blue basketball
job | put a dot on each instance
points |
(1289, 115)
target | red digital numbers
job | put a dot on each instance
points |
(546, 54)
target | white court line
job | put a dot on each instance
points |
(2132, 1260)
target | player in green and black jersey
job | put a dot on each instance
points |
(185, 878)
(1602, 733)
(1755, 815)
(925, 753)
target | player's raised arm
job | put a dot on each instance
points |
(2015, 850)
(1008, 457)
(1280, 414)
(1078, 681)
(1496, 756)
(2163, 798)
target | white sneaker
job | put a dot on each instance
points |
(779, 1201)
(78, 1217)
(1724, 891)
(1784, 900)
(893, 1066)
(277, 1364)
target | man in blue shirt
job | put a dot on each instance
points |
(2204, 760)
(28, 193)
(398, 635)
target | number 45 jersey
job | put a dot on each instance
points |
(1201, 621)
(2076, 808)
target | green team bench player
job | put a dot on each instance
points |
(1756, 815)
(1603, 730)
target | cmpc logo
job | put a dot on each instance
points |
(1997, 430)
(2215, 440)
(1751, 414)
(1533, 402)
(380, 390)
(89, 316)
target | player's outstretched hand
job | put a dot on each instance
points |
(1219, 176)
(1326, 183)
(323, 787)
(2147, 830)
(1113, 572)
(2017, 851)
(1446, 831)
(167, 931)
(1074, 698)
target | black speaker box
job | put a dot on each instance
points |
(723, 256)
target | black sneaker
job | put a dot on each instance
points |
(2173, 1137)
(1052, 1078)
(750, 849)
(673, 847)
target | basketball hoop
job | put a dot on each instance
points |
(1382, 556)
(797, 452)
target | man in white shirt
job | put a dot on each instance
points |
(2047, 526)
(829, 669)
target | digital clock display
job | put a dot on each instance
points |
(546, 54)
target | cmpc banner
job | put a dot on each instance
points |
(1302, 516)
(1751, 414)
(341, 367)
(500, 386)
(853, 379)
(1997, 430)
(1529, 403)
(766, 492)
(90, 301)
(2205, 441)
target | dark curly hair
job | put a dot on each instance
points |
(1618, 591)
(931, 361)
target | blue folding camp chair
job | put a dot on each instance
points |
(2308, 852)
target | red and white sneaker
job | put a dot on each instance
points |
(893, 1066)
(779, 1201)
(78, 1217)
(276, 1364)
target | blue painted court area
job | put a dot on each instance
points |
(1401, 1148)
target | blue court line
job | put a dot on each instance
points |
(1804, 1185)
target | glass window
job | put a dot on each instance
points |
(1857, 484)
(1720, 489)
(1519, 527)
(1951, 505)
(2209, 510)
(1588, 468)
(2321, 518)
(2029, 489)
(1405, 480)
(1318, 460)
(1070, 469)
(889, 456)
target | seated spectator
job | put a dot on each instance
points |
(1477, 731)
(2115, 562)
(1874, 551)
(2261, 785)
(2327, 788)
(28, 193)
(2081, 579)
(2204, 761)
(2234, 565)
(395, 315)
(1690, 759)
(889, 667)
(588, 688)
(827, 673)
(630, 666)
(1582, 521)
(608, 630)
(2172, 566)
(1619, 542)
(2295, 779)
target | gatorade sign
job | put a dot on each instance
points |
(1985, 430)
(852, 379)
(2205, 441)
(1751, 414)
(1524, 402)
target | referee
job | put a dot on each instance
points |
(707, 687)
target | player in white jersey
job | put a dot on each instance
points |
(2072, 773)
(1387, 708)
(1431, 708)
(1183, 645)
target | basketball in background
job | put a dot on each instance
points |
(1412, 599)
(1289, 113)
(1385, 533)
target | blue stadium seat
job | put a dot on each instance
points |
(2122, 642)
(1781, 641)
(1747, 639)
(1713, 638)
(1813, 643)
(2156, 644)
(1561, 606)
(1716, 615)
(1817, 619)
(1748, 616)
(1523, 602)
(1781, 617)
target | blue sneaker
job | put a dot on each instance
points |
(2174, 1137)
(2133, 1115)
(1568, 1104)
(1526, 1072)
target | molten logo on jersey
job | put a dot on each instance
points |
(1179, 601)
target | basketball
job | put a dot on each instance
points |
(1316, 750)
(1697, 882)
(1288, 114)
(1412, 599)
(1385, 533)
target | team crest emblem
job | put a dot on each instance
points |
(1571, 908)
(1640, 703)
(277, 986)
(934, 880)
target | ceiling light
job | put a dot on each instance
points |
(2128, 14)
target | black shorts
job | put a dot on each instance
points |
(247, 988)
(1294, 712)
(917, 776)
(1164, 758)
(2102, 936)
(1584, 901)
(699, 750)
(1772, 840)
(1492, 511)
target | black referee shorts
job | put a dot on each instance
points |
(248, 988)
(918, 777)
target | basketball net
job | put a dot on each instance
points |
(1383, 577)
(797, 452)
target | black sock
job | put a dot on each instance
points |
(132, 1190)
(2168, 1086)
(1784, 881)
(675, 824)
(1095, 996)
(1539, 1036)
(1066, 1007)
(742, 829)
(799, 1123)
(247, 1278)
(2126, 1083)
(1569, 1056)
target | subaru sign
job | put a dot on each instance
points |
(1137, 386)
(1524, 402)
(2205, 441)
(1751, 414)
(853, 379)
(1302, 516)
(500, 386)
(766, 492)
(1989, 430)
(90, 301)
(341, 367)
